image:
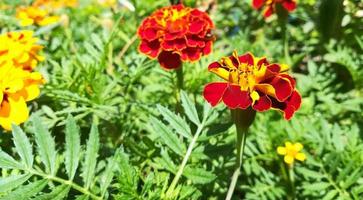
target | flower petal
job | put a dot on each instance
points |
(263, 104)
(213, 92)
(257, 4)
(289, 159)
(289, 5)
(169, 60)
(281, 150)
(235, 98)
(150, 48)
(247, 58)
(300, 156)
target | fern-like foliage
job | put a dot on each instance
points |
(44, 172)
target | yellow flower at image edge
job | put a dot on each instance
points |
(291, 152)
(21, 49)
(17, 86)
(34, 15)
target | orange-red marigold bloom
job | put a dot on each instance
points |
(253, 82)
(175, 34)
(270, 5)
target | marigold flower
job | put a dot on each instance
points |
(21, 49)
(291, 152)
(55, 4)
(17, 86)
(35, 15)
(176, 34)
(270, 5)
(253, 82)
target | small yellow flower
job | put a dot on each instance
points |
(21, 49)
(108, 3)
(35, 15)
(291, 152)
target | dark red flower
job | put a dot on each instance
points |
(176, 34)
(270, 5)
(253, 82)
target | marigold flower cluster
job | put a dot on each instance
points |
(270, 6)
(39, 13)
(291, 152)
(176, 34)
(19, 55)
(254, 82)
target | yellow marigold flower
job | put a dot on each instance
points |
(291, 152)
(55, 4)
(17, 86)
(35, 15)
(107, 3)
(21, 49)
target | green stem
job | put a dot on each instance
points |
(178, 175)
(179, 87)
(64, 182)
(241, 141)
(292, 182)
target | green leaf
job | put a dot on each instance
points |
(23, 146)
(57, 193)
(90, 159)
(167, 136)
(309, 173)
(176, 122)
(108, 174)
(27, 191)
(73, 147)
(330, 195)
(189, 108)
(317, 186)
(45, 144)
(82, 197)
(8, 162)
(13, 181)
(199, 175)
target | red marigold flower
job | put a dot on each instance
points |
(270, 5)
(253, 82)
(176, 34)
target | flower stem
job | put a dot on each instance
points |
(241, 141)
(292, 182)
(178, 175)
(179, 87)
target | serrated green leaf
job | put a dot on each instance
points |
(45, 145)
(90, 159)
(8, 162)
(82, 197)
(23, 146)
(13, 181)
(189, 108)
(309, 173)
(73, 147)
(109, 173)
(176, 122)
(330, 195)
(198, 175)
(317, 186)
(167, 136)
(57, 193)
(27, 191)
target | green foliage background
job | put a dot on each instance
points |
(137, 142)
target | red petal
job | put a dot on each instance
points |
(247, 58)
(213, 92)
(262, 61)
(177, 44)
(235, 98)
(292, 80)
(283, 88)
(268, 11)
(289, 112)
(191, 54)
(149, 34)
(214, 65)
(295, 100)
(150, 48)
(208, 48)
(169, 60)
(289, 5)
(274, 68)
(196, 27)
(263, 104)
(258, 3)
